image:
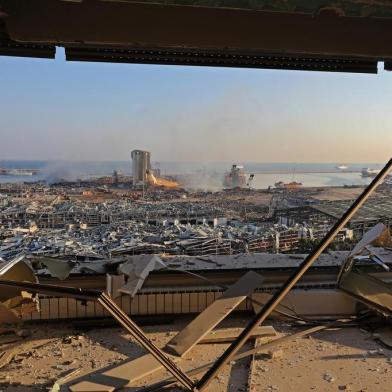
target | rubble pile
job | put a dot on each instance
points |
(58, 213)
(85, 230)
(64, 221)
(131, 237)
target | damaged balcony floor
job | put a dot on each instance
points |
(346, 359)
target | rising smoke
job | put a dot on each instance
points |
(59, 171)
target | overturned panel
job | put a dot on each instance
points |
(378, 235)
(313, 303)
(16, 303)
(57, 267)
(137, 268)
(371, 291)
(17, 270)
(214, 314)
(227, 335)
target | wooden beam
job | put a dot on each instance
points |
(184, 341)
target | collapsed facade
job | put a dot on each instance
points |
(327, 213)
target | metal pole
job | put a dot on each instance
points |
(112, 308)
(291, 281)
(306, 332)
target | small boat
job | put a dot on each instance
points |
(342, 167)
(20, 172)
(367, 172)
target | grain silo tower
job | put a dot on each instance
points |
(140, 166)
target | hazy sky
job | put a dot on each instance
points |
(96, 111)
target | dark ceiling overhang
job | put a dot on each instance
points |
(362, 8)
(220, 59)
(309, 35)
(12, 48)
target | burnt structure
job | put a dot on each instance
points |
(325, 214)
(236, 178)
(141, 165)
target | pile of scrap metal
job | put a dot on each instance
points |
(165, 275)
(133, 238)
(59, 212)
(136, 237)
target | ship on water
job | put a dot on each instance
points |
(367, 172)
(342, 167)
(18, 172)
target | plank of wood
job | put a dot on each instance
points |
(88, 386)
(196, 330)
(313, 303)
(228, 335)
(57, 384)
(122, 375)
(6, 357)
(207, 320)
(147, 364)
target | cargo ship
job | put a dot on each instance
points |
(18, 172)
